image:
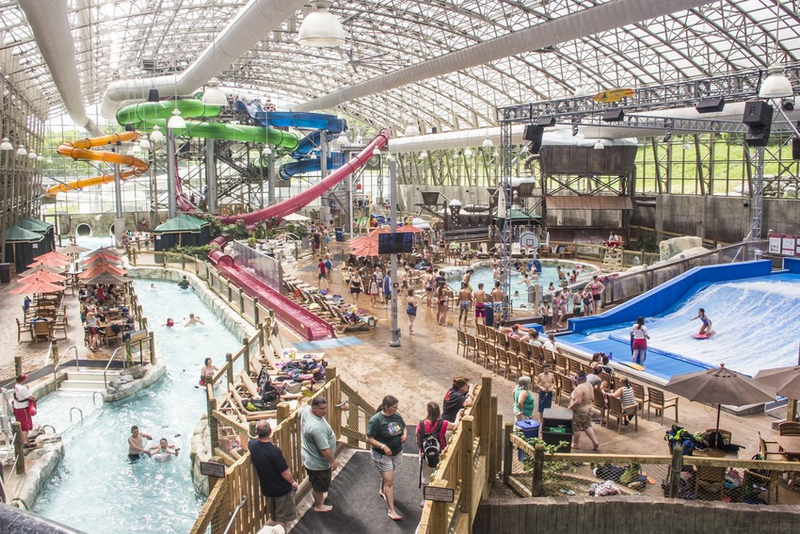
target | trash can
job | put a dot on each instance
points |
(530, 429)
(489, 315)
(5, 272)
(557, 427)
(339, 234)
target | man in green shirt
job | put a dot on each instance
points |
(184, 284)
(318, 447)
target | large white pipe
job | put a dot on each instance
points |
(50, 25)
(569, 27)
(255, 20)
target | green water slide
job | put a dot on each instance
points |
(145, 115)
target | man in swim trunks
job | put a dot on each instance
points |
(466, 278)
(192, 320)
(581, 406)
(480, 304)
(546, 381)
(322, 274)
(136, 444)
(464, 302)
(705, 330)
(497, 298)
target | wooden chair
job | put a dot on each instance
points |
(639, 393)
(23, 328)
(548, 357)
(789, 428)
(481, 330)
(480, 350)
(108, 336)
(502, 361)
(573, 366)
(537, 368)
(462, 341)
(766, 453)
(709, 482)
(657, 401)
(615, 409)
(491, 357)
(491, 336)
(599, 403)
(537, 354)
(42, 329)
(565, 387)
(561, 363)
(472, 345)
(525, 367)
(60, 325)
(727, 435)
(513, 366)
(513, 345)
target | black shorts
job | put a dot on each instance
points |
(320, 276)
(320, 480)
(596, 297)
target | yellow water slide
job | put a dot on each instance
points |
(82, 150)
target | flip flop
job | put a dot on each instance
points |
(398, 518)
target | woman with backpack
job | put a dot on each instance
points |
(431, 440)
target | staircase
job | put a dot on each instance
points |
(87, 380)
(612, 261)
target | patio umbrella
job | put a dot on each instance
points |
(101, 256)
(54, 254)
(296, 217)
(101, 261)
(106, 278)
(783, 381)
(408, 229)
(52, 262)
(43, 276)
(73, 249)
(719, 386)
(100, 269)
(367, 247)
(36, 287)
(41, 269)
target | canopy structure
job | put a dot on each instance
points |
(183, 230)
(22, 247)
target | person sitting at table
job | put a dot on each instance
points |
(26, 303)
(100, 293)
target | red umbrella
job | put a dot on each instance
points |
(37, 287)
(54, 254)
(73, 249)
(101, 269)
(101, 261)
(101, 256)
(408, 228)
(42, 269)
(368, 247)
(43, 277)
(52, 262)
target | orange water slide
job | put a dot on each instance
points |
(82, 150)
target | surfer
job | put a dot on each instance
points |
(639, 341)
(705, 330)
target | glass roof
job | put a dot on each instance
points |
(129, 39)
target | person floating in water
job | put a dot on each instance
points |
(207, 372)
(171, 322)
(192, 320)
(163, 451)
(184, 283)
(136, 444)
(705, 330)
(153, 287)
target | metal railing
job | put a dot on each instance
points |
(80, 412)
(111, 359)
(235, 513)
(58, 364)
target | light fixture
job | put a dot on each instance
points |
(777, 85)
(545, 121)
(487, 143)
(39, 158)
(320, 27)
(136, 149)
(213, 95)
(412, 130)
(468, 153)
(156, 136)
(6, 145)
(49, 160)
(267, 151)
(376, 152)
(359, 141)
(581, 91)
(342, 140)
(389, 158)
(687, 145)
(21, 151)
(31, 155)
(129, 152)
(599, 145)
(423, 154)
(176, 121)
(144, 143)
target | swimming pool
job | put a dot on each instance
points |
(754, 320)
(483, 274)
(95, 488)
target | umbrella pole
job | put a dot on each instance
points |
(719, 411)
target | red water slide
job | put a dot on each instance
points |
(287, 311)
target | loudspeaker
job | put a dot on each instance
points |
(796, 149)
(152, 96)
(710, 105)
(534, 134)
(757, 136)
(545, 121)
(757, 113)
(613, 115)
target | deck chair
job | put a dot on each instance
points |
(483, 251)
(789, 428)
(23, 328)
(658, 402)
(615, 409)
(516, 250)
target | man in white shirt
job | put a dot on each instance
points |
(22, 401)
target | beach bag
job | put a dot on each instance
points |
(431, 448)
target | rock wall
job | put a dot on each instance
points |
(40, 464)
(134, 380)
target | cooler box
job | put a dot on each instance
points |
(530, 429)
(339, 234)
(557, 427)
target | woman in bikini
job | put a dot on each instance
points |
(355, 286)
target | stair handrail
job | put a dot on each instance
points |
(57, 365)
(235, 513)
(105, 371)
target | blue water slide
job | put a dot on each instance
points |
(335, 160)
(310, 143)
(252, 107)
(303, 121)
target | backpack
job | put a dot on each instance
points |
(431, 448)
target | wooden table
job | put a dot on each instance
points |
(714, 453)
(790, 445)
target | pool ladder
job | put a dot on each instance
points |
(80, 412)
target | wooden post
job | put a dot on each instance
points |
(164, 259)
(675, 471)
(54, 352)
(229, 373)
(791, 410)
(437, 520)
(283, 411)
(490, 438)
(17, 365)
(246, 355)
(537, 486)
(241, 301)
(255, 311)
(230, 293)
(152, 339)
(19, 450)
(485, 422)
(260, 327)
(183, 261)
(211, 405)
(507, 452)
(129, 352)
(468, 451)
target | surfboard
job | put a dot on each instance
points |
(702, 336)
(632, 365)
(613, 95)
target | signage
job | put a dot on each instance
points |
(434, 493)
(212, 469)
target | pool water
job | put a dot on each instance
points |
(95, 488)
(548, 275)
(755, 324)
